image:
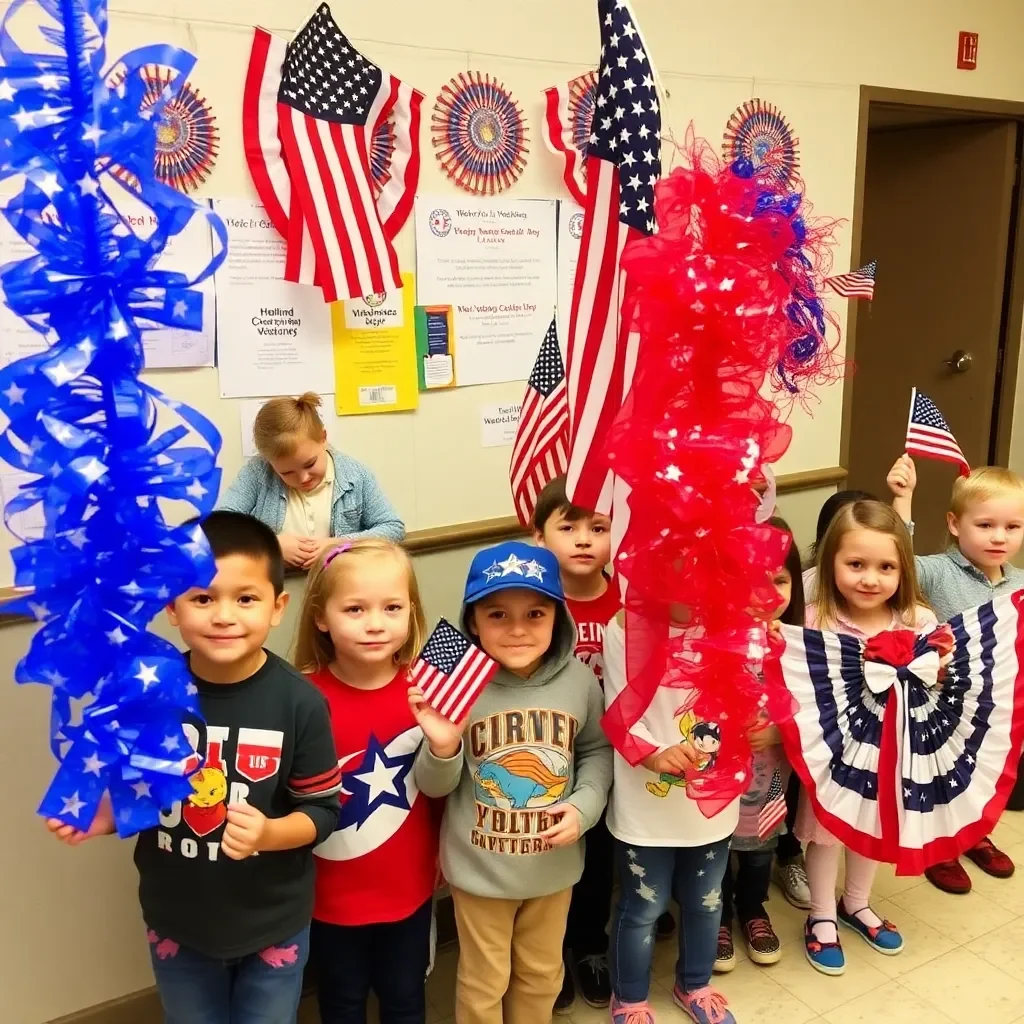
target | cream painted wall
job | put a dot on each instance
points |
(71, 935)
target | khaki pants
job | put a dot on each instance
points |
(510, 958)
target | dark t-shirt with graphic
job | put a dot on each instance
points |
(267, 741)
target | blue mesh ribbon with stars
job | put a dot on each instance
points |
(106, 453)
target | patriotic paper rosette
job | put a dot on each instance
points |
(908, 746)
(567, 129)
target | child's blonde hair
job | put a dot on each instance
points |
(882, 518)
(313, 647)
(984, 484)
(282, 422)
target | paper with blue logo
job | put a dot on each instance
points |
(493, 261)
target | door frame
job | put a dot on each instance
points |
(990, 109)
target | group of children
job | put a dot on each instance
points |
(331, 799)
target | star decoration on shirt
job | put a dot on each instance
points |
(379, 780)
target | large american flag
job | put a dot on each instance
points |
(451, 672)
(857, 284)
(928, 434)
(541, 447)
(623, 165)
(309, 112)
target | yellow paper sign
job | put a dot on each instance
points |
(375, 352)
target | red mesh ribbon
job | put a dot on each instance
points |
(711, 297)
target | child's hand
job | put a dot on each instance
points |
(443, 736)
(566, 830)
(102, 825)
(243, 831)
(761, 739)
(297, 550)
(677, 760)
(902, 478)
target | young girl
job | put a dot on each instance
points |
(866, 585)
(360, 628)
(754, 852)
(665, 849)
(305, 491)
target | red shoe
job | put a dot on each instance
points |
(950, 877)
(991, 860)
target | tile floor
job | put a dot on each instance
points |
(963, 963)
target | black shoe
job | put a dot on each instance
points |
(594, 980)
(563, 1004)
(666, 927)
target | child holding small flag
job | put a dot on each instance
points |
(359, 631)
(762, 809)
(986, 527)
(530, 777)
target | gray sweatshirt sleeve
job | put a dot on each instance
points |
(593, 763)
(436, 776)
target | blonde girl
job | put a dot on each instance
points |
(360, 629)
(866, 585)
(308, 493)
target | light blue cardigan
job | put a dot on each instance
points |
(358, 509)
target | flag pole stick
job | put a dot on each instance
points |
(910, 416)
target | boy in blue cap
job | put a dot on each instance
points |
(530, 778)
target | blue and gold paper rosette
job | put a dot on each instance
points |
(479, 134)
(758, 133)
(582, 96)
(382, 152)
(187, 141)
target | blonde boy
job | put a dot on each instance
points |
(986, 526)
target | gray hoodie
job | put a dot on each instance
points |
(530, 744)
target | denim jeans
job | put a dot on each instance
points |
(749, 889)
(391, 959)
(650, 876)
(261, 988)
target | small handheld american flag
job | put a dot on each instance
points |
(451, 672)
(857, 284)
(929, 436)
(774, 809)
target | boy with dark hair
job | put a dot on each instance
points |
(229, 930)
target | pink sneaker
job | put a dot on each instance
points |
(703, 1005)
(631, 1013)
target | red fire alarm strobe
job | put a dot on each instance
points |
(967, 51)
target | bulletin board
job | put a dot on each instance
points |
(432, 462)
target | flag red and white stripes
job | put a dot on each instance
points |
(540, 452)
(857, 284)
(451, 672)
(929, 436)
(774, 810)
(567, 126)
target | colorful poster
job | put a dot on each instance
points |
(435, 347)
(273, 338)
(375, 352)
(493, 262)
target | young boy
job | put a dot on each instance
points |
(986, 522)
(229, 930)
(581, 541)
(531, 777)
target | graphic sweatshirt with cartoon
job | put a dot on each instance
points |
(530, 744)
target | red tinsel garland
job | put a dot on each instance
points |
(723, 297)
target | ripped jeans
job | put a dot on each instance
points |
(261, 988)
(649, 877)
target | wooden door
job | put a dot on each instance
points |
(937, 209)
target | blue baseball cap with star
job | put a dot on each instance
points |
(513, 564)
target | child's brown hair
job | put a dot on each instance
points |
(282, 422)
(553, 499)
(867, 515)
(313, 647)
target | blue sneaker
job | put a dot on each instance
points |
(703, 1005)
(885, 939)
(826, 957)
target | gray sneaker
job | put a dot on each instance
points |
(791, 878)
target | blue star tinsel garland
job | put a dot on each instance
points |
(86, 427)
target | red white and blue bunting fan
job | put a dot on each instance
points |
(479, 134)
(187, 141)
(382, 152)
(570, 114)
(758, 132)
(908, 746)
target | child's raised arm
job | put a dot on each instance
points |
(902, 480)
